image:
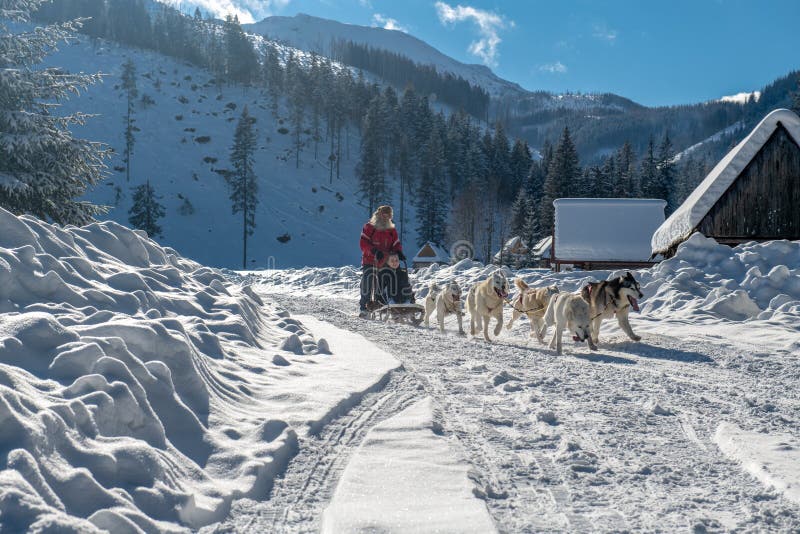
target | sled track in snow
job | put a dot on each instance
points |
(606, 441)
(300, 495)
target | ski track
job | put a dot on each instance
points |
(606, 441)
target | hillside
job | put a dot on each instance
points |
(185, 138)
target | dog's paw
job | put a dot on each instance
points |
(462, 333)
(636, 338)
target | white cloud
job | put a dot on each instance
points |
(387, 23)
(553, 68)
(248, 11)
(489, 25)
(603, 32)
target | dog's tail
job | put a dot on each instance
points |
(550, 313)
(520, 283)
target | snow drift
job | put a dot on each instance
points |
(135, 391)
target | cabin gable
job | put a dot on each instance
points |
(763, 202)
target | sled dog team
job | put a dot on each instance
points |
(580, 313)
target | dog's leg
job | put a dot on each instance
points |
(428, 312)
(514, 315)
(499, 316)
(594, 326)
(534, 331)
(459, 316)
(622, 319)
(485, 326)
(440, 313)
(538, 328)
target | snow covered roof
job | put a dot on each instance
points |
(515, 245)
(606, 229)
(542, 248)
(685, 219)
(430, 253)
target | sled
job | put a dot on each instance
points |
(412, 314)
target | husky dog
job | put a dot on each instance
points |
(532, 302)
(570, 311)
(613, 297)
(484, 301)
(444, 301)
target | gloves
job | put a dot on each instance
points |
(378, 254)
(401, 256)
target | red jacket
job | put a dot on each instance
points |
(384, 240)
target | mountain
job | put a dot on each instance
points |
(315, 34)
(183, 147)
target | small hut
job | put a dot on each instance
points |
(604, 233)
(513, 251)
(753, 194)
(428, 255)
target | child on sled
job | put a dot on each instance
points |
(394, 284)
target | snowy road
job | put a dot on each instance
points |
(619, 439)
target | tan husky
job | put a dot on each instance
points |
(484, 301)
(531, 302)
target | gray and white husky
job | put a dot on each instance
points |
(613, 297)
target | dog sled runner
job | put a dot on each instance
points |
(412, 314)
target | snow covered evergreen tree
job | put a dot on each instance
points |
(43, 168)
(146, 210)
(131, 92)
(666, 174)
(243, 181)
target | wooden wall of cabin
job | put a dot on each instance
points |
(764, 201)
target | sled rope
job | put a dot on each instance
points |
(511, 303)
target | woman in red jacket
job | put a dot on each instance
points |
(378, 239)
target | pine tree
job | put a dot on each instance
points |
(520, 211)
(131, 92)
(666, 173)
(796, 98)
(520, 164)
(241, 63)
(432, 195)
(371, 169)
(242, 181)
(626, 185)
(562, 175)
(146, 210)
(649, 172)
(43, 168)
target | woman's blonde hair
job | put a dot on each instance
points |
(376, 221)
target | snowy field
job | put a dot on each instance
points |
(143, 392)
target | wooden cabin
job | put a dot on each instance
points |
(752, 194)
(514, 250)
(604, 233)
(428, 255)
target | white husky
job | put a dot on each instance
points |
(570, 311)
(445, 301)
(485, 300)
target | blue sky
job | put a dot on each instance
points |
(656, 53)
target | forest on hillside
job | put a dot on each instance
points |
(465, 178)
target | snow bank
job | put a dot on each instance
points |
(405, 478)
(140, 391)
(772, 459)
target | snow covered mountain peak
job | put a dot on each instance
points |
(316, 34)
